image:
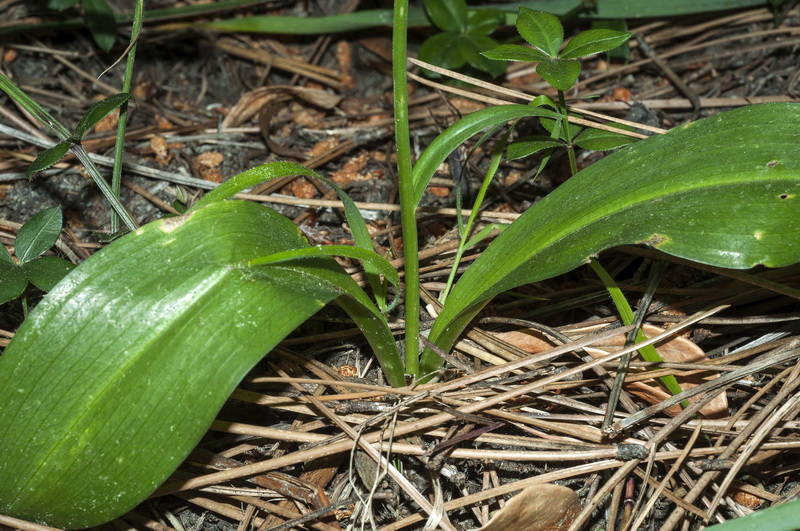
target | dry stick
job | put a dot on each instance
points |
(512, 487)
(673, 77)
(435, 420)
(317, 73)
(395, 474)
(526, 98)
(495, 101)
(790, 352)
(16, 523)
(763, 430)
(342, 446)
(675, 467)
(677, 514)
(651, 445)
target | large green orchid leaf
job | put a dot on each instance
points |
(724, 191)
(118, 372)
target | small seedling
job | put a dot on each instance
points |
(34, 238)
(560, 69)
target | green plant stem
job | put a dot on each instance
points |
(462, 245)
(648, 352)
(573, 163)
(119, 145)
(408, 207)
(101, 183)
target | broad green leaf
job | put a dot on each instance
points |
(448, 15)
(559, 73)
(594, 41)
(101, 22)
(485, 21)
(5, 256)
(380, 263)
(118, 372)
(783, 517)
(47, 158)
(12, 281)
(528, 145)
(470, 48)
(602, 140)
(38, 234)
(458, 133)
(47, 271)
(724, 191)
(442, 50)
(98, 111)
(542, 30)
(274, 170)
(515, 52)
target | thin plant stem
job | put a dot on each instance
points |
(119, 145)
(573, 163)
(462, 246)
(648, 352)
(408, 208)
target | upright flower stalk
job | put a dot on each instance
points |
(408, 206)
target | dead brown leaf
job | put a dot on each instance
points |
(251, 102)
(544, 507)
(675, 350)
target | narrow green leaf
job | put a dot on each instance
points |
(529, 145)
(380, 263)
(47, 271)
(33, 107)
(724, 191)
(98, 111)
(148, 338)
(485, 21)
(275, 170)
(458, 133)
(484, 233)
(515, 52)
(602, 140)
(448, 15)
(542, 30)
(12, 281)
(101, 22)
(648, 352)
(47, 158)
(783, 517)
(38, 234)
(594, 41)
(559, 73)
